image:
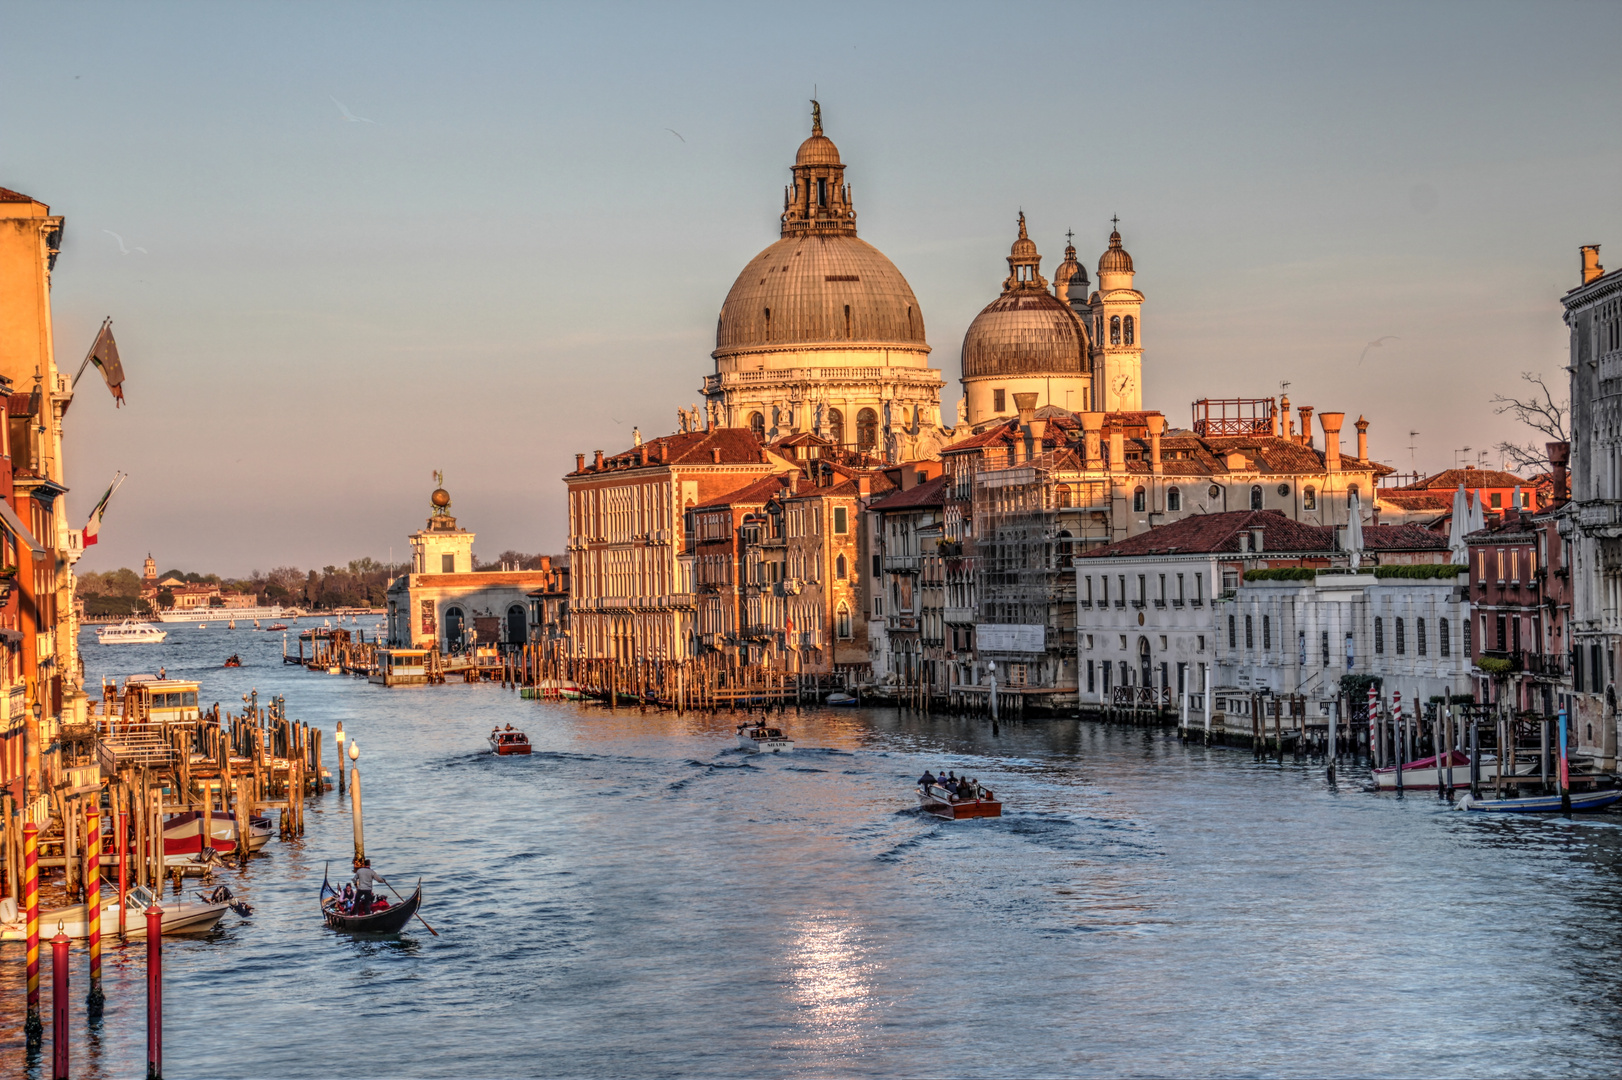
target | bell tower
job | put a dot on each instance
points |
(1118, 330)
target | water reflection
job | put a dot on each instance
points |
(829, 969)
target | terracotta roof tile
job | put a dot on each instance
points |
(1219, 534)
(929, 493)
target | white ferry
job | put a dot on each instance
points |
(203, 614)
(130, 632)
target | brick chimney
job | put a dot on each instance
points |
(1157, 425)
(642, 459)
(1306, 425)
(1273, 418)
(1092, 427)
(1362, 426)
(1332, 422)
(864, 485)
(715, 455)
(598, 462)
(1559, 458)
(1288, 428)
(580, 463)
(1117, 448)
(1591, 267)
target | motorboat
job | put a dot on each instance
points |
(1421, 772)
(232, 661)
(131, 632)
(840, 698)
(509, 742)
(183, 833)
(1582, 802)
(278, 626)
(760, 739)
(179, 916)
(942, 803)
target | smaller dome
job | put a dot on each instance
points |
(1115, 260)
(817, 150)
(1025, 332)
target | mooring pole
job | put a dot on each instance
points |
(92, 899)
(59, 1006)
(1565, 769)
(154, 993)
(33, 1025)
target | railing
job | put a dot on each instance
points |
(901, 564)
(1599, 513)
(1551, 665)
(1141, 697)
(960, 615)
(1515, 657)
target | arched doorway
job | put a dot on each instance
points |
(517, 625)
(1145, 676)
(836, 427)
(454, 625)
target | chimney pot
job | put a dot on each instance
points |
(1092, 426)
(1591, 267)
(1332, 422)
(1117, 449)
(1362, 426)
(1026, 404)
(1289, 421)
(1559, 458)
(715, 455)
(597, 462)
(1256, 540)
(580, 463)
(1306, 425)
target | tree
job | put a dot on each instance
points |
(1542, 413)
(166, 598)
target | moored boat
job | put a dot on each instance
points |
(1582, 802)
(760, 739)
(942, 803)
(1421, 772)
(839, 697)
(183, 833)
(130, 632)
(179, 916)
(509, 742)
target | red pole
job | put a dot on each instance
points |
(154, 993)
(123, 869)
(92, 901)
(59, 1006)
(34, 1026)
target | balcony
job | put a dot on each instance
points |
(1547, 665)
(901, 622)
(1139, 604)
(960, 616)
(1161, 604)
(1177, 604)
(901, 564)
(1598, 514)
(1514, 657)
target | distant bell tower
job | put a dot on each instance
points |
(441, 547)
(149, 569)
(1118, 330)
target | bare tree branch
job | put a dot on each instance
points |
(1542, 413)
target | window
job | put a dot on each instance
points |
(1139, 500)
(1379, 636)
(1230, 580)
(1309, 498)
(1180, 596)
(1267, 632)
(1500, 566)
(1115, 330)
(1256, 497)
(1502, 628)
(1129, 333)
(1465, 625)
(1174, 500)
(447, 564)
(1301, 647)
(1230, 631)
(1250, 637)
(867, 430)
(1351, 493)
(839, 568)
(1402, 645)
(877, 568)
(842, 622)
(1090, 683)
(836, 427)
(1325, 638)
(999, 402)
(1419, 636)
(757, 424)
(1200, 643)
(841, 522)
(1496, 500)
(1441, 638)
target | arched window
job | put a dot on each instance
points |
(1064, 495)
(1064, 539)
(867, 430)
(1114, 329)
(1256, 497)
(1145, 678)
(1130, 334)
(1351, 493)
(842, 621)
(847, 322)
(757, 424)
(1174, 500)
(453, 629)
(517, 625)
(1140, 500)
(1309, 498)
(836, 427)
(1098, 329)
(839, 567)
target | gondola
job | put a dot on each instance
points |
(391, 920)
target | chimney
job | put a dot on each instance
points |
(1306, 425)
(1289, 421)
(1026, 404)
(641, 456)
(598, 463)
(864, 485)
(546, 564)
(1016, 449)
(765, 458)
(1332, 422)
(1117, 449)
(1591, 267)
(580, 463)
(1256, 540)
(1362, 426)
(1273, 418)
(1244, 542)
(1559, 458)
(1092, 426)
(715, 455)
(1157, 424)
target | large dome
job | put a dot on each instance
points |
(819, 290)
(1024, 332)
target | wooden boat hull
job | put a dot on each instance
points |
(1582, 802)
(391, 920)
(502, 749)
(958, 811)
(183, 833)
(1421, 773)
(178, 918)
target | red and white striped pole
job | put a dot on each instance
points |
(1397, 734)
(154, 993)
(59, 1006)
(1374, 713)
(123, 869)
(34, 1026)
(92, 899)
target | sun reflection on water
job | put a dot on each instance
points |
(830, 976)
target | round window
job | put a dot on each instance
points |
(1214, 492)
(1284, 489)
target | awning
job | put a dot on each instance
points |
(13, 525)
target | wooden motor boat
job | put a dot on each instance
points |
(232, 661)
(760, 739)
(279, 626)
(387, 919)
(179, 916)
(938, 801)
(839, 697)
(1582, 802)
(183, 833)
(509, 742)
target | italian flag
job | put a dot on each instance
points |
(93, 526)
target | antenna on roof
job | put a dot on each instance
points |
(1412, 442)
(1462, 450)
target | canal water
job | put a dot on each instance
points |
(639, 898)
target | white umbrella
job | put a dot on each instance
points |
(1455, 536)
(1478, 519)
(1354, 532)
(1515, 499)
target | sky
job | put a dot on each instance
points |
(344, 245)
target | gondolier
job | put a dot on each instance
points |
(365, 878)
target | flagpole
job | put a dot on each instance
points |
(105, 323)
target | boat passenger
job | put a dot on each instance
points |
(927, 780)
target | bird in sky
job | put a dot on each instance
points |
(121, 247)
(1375, 344)
(351, 117)
(676, 133)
